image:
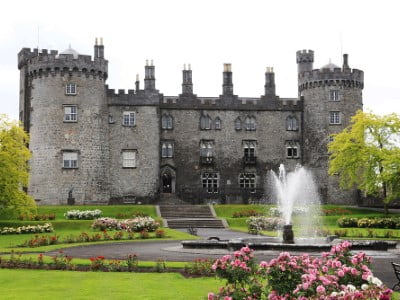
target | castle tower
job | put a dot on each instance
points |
(149, 79)
(63, 106)
(227, 86)
(269, 83)
(187, 84)
(331, 96)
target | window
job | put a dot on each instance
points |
(238, 124)
(334, 95)
(70, 113)
(250, 123)
(206, 148)
(129, 158)
(167, 149)
(129, 118)
(205, 122)
(217, 123)
(248, 181)
(166, 122)
(291, 123)
(249, 148)
(210, 182)
(70, 160)
(70, 89)
(334, 117)
(292, 149)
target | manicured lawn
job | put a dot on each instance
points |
(38, 284)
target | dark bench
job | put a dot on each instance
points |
(396, 268)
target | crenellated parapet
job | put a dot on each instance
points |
(335, 77)
(50, 63)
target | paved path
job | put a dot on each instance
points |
(172, 251)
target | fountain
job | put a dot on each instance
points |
(296, 190)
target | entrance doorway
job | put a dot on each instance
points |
(167, 183)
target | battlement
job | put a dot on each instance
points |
(337, 76)
(305, 56)
(49, 62)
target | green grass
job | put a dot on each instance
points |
(38, 284)
(227, 210)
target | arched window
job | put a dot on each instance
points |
(167, 149)
(166, 122)
(217, 123)
(250, 123)
(291, 123)
(205, 122)
(238, 124)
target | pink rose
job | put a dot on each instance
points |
(320, 289)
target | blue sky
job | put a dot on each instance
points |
(249, 34)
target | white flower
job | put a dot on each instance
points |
(351, 287)
(334, 294)
(364, 287)
(376, 281)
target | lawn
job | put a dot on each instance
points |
(39, 284)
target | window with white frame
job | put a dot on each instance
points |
(129, 158)
(129, 118)
(70, 159)
(248, 181)
(205, 122)
(70, 113)
(167, 149)
(238, 124)
(210, 182)
(217, 123)
(70, 89)
(291, 123)
(206, 148)
(334, 95)
(249, 148)
(292, 149)
(166, 122)
(334, 117)
(250, 123)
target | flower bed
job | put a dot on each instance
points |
(83, 214)
(27, 229)
(36, 217)
(256, 224)
(297, 211)
(136, 225)
(390, 223)
(338, 274)
(245, 213)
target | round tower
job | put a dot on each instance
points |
(331, 96)
(63, 106)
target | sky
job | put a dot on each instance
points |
(251, 35)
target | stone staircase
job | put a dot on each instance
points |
(190, 216)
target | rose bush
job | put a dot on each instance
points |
(83, 214)
(338, 274)
(135, 225)
(28, 229)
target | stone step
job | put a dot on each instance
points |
(185, 211)
(195, 223)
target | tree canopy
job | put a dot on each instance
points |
(14, 168)
(366, 155)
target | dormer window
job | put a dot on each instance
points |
(70, 89)
(205, 122)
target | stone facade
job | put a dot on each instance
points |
(91, 144)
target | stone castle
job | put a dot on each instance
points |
(91, 144)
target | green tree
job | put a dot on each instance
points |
(14, 169)
(366, 155)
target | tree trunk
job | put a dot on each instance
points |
(385, 204)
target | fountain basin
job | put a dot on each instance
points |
(303, 245)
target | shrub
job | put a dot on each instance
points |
(200, 267)
(97, 263)
(62, 261)
(160, 233)
(115, 266)
(335, 211)
(137, 224)
(245, 213)
(28, 229)
(105, 223)
(256, 224)
(144, 234)
(38, 241)
(83, 214)
(338, 274)
(36, 217)
(132, 262)
(347, 222)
